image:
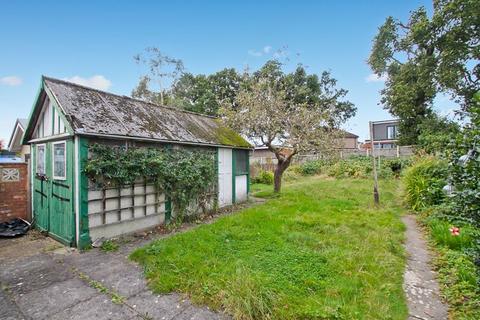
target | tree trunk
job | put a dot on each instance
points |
(282, 165)
(277, 180)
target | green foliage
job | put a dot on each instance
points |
(353, 167)
(302, 88)
(319, 250)
(203, 94)
(311, 167)
(183, 175)
(424, 182)
(264, 177)
(459, 283)
(436, 133)
(109, 246)
(465, 169)
(441, 234)
(424, 56)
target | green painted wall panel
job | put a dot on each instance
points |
(84, 234)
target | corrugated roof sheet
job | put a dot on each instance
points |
(96, 112)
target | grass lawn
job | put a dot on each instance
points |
(318, 251)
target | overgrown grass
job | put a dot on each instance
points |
(454, 261)
(320, 250)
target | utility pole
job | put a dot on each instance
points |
(376, 197)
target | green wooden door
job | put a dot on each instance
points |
(53, 189)
(41, 199)
(62, 219)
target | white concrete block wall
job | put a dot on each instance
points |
(128, 223)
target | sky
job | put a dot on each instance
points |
(93, 43)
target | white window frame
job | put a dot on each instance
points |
(394, 132)
(64, 142)
(44, 159)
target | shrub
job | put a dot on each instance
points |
(465, 168)
(311, 167)
(424, 182)
(265, 177)
(398, 165)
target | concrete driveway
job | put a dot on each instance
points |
(41, 279)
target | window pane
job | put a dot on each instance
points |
(241, 161)
(59, 160)
(40, 159)
(390, 132)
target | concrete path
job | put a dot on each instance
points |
(420, 285)
(54, 282)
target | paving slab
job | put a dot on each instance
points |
(8, 308)
(33, 273)
(420, 284)
(41, 304)
(98, 308)
(58, 284)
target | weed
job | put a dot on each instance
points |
(109, 246)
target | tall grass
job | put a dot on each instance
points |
(423, 183)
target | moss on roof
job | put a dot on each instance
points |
(96, 112)
(227, 136)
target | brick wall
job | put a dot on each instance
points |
(13, 191)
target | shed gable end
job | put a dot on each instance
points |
(46, 119)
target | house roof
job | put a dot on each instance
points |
(15, 142)
(386, 121)
(347, 134)
(94, 112)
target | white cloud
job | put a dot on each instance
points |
(375, 78)
(264, 51)
(255, 53)
(11, 81)
(97, 82)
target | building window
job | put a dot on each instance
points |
(391, 132)
(241, 162)
(41, 159)
(59, 160)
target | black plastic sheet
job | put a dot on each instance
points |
(14, 228)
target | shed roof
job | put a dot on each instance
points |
(96, 112)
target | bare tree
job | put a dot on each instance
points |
(161, 69)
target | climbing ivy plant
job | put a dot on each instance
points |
(184, 176)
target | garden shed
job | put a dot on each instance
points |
(68, 120)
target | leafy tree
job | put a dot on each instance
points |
(425, 56)
(436, 133)
(203, 93)
(271, 110)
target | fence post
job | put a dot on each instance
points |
(398, 151)
(376, 196)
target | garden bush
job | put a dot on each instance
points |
(464, 169)
(424, 181)
(263, 176)
(311, 167)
